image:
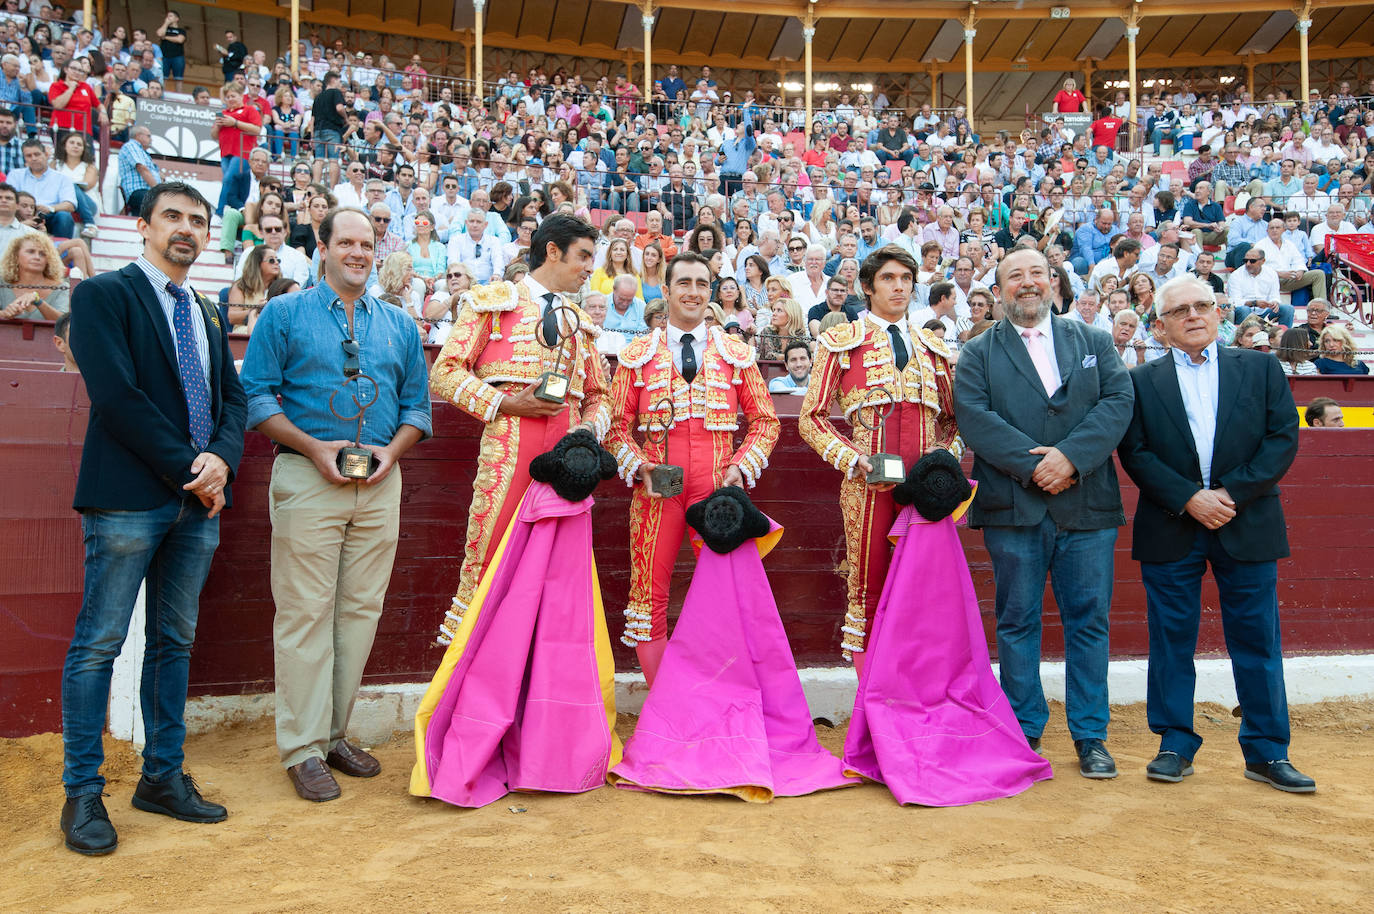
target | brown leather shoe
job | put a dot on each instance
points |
(313, 781)
(353, 761)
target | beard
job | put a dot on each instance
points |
(174, 256)
(1026, 313)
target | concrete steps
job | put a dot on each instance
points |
(118, 243)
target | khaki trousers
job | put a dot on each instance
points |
(1314, 278)
(332, 551)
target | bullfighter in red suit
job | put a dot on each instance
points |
(489, 369)
(869, 366)
(692, 383)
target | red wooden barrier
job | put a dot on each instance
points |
(1325, 590)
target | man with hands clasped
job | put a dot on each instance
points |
(164, 439)
(1043, 402)
(333, 538)
(1214, 431)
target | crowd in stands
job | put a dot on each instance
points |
(1243, 197)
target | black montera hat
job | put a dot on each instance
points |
(575, 466)
(935, 486)
(726, 519)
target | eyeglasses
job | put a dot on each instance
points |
(796, 247)
(381, 219)
(274, 228)
(352, 366)
(1253, 259)
(270, 260)
(1200, 308)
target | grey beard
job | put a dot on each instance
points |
(1023, 318)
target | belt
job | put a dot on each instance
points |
(283, 449)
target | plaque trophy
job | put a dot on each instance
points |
(666, 478)
(888, 469)
(553, 385)
(355, 461)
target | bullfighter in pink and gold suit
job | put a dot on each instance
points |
(493, 353)
(700, 423)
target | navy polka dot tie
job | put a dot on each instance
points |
(192, 372)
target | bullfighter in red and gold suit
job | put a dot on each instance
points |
(694, 389)
(489, 368)
(870, 366)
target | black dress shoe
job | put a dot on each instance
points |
(1094, 761)
(1280, 775)
(1169, 766)
(86, 826)
(178, 797)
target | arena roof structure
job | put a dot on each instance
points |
(935, 40)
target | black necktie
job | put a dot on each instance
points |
(689, 359)
(550, 321)
(899, 353)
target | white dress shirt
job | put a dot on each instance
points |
(1198, 383)
(698, 344)
(1283, 256)
(348, 197)
(1242, 286)
(483, 257)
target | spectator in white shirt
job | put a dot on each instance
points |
(940, 308)
(350, 193)
(470, 247)
(1335, 224)
(808, 284)
(1088, 309)
(1311, 203)
(1254, 289)
(1284, 258)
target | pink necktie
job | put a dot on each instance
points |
(1041, 359)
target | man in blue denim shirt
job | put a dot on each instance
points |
(333, 539)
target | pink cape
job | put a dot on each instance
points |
(525, 696)
(930, 720)
(727, 713)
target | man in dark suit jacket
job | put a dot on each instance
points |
(164, 438)
(1043, 402)
(1214, 431)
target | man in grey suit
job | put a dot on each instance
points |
(1043, 402)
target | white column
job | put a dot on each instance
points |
(969, 35)
(1304, 24)
(1132, 31)
(808, 33)
(480, 7)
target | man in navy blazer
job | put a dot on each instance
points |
(1043, 402)
(163, 440)
(1214, 431)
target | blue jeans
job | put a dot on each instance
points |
(1080, 264)
(1250, 623)
(175, 66)
(172, 547)
(1283, 314)
(85, 207)
(328, 144)
(277, 140)
(60, 225)
(236, 180)
(1079, 565)
(1158, 134)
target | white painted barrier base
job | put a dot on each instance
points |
(384, 709)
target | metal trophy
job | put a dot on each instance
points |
(553, 385)
(888, 469)
(355, 461)
(666, 478)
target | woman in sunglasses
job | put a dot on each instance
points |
(442, 309)
(261, 266)
(428, 254)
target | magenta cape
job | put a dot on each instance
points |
(524, 698)
(930, 720)
(727, 713)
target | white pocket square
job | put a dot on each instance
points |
(1089, 361)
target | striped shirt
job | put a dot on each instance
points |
(159, 280)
